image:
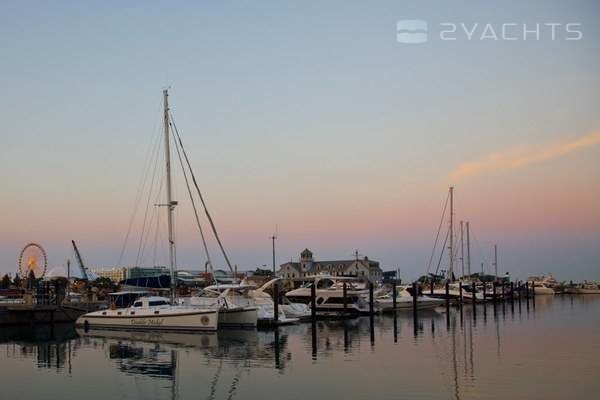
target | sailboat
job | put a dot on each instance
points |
(154, 312)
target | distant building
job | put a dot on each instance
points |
(114, 274)
(307, 267)
(141, 272)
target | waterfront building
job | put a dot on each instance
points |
(307, 266)
(146, 272)
(115, 274)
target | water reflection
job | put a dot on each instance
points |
(468, 352)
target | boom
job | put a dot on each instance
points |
(84, 273)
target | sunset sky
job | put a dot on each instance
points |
(310, 117)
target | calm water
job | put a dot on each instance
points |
(550, 352)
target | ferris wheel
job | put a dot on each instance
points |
(32, 258)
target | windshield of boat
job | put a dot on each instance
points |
(156, 303)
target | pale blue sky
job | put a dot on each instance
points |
(303, 114)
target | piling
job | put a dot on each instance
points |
(414, 293)
(394, 295)
(371, 300)
(460, 296)
(533, 295)
(494, 291)
(447, 296)
(447, 304)
(431, 287)
(474, 295)
(313, 302)
(345, 295)
(484, 301)
(527, 294)
(276, 303)
(512, 297)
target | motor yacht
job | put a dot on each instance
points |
(404, 300)
(330, 295)
(231, 300)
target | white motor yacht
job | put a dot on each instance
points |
(287, 309)
(404, 301)
(235, 306)
(330, 295)
(540, 288)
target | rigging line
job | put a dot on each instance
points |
(442, 252)
(187, 184)
(155, 215)
(150, 155)
(146, 164)
(142, 233)
(438, 233)
(210, 220)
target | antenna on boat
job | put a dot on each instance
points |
(170, 203)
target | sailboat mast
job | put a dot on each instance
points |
(451, 266)
(170, 203)
(468, 250)
(462, 250)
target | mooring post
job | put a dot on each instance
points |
(447, 296)
(527, 294)
(276, 303)
(414, 294)
(460, 296)
(533, 294)
(394, 295)
(431, 286)
(345, 294)
(494, 284)
(484, 300)
(474, 295)
(512, 297)
(313, 301)
(371, 300)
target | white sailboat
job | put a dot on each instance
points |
(157, 313)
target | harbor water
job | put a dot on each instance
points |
(550, 350)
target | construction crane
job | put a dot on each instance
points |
(84, 273)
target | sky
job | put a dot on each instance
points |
(308, 118)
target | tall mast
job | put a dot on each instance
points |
(468, 251)
(462, 251)
(170, 203)
(451, 266)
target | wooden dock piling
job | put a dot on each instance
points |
(371, 300)
(276, 303)
(345, 295)
(313, 302)
(394, 295)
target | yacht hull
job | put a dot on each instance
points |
(188, 320)
(238, 318)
